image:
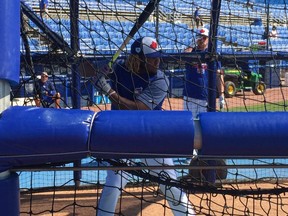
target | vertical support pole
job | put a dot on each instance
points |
(210, 175)
(75, 46)
(267, 24)
(10, 199)
(212, 59)
(157, 22)
(10, 49)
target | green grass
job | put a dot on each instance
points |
(265, 107)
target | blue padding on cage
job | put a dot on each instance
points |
(10, 40)
(37, 135)
(242, 134)
(10, 199)
(122, 134)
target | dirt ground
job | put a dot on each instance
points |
(83, 203)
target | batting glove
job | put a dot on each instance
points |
(102, 84)
(104, 67)
(221, 102)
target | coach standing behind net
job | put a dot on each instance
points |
(195, 90)
(138, 84)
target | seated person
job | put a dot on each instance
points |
(273, 33)
(46, 93)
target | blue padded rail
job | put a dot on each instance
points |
(124, 134)
(35, 136)
(30, 135)
(242, 134)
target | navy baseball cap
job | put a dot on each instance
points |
(146, 46)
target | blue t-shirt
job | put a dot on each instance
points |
(196, 13)
(42, 88)
(150, 90)
(196, 80)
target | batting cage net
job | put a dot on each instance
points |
(245, 60)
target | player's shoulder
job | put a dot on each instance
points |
(120, 71)
(120, 62)
(119, 66)
(161, 76)
(48, 82)
(162, 80)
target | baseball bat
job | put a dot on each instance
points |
(88, 69)
(150, 7)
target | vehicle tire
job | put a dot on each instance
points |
(197, 173)
(259, 88)
(230, 89)
(221, 173)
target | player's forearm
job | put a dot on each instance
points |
(126, 104)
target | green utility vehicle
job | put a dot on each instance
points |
(236, 80)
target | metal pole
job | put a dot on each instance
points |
(267, 25)
(212, 59)
(157, 22)
(74, 16)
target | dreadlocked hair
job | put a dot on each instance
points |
(133, 63)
